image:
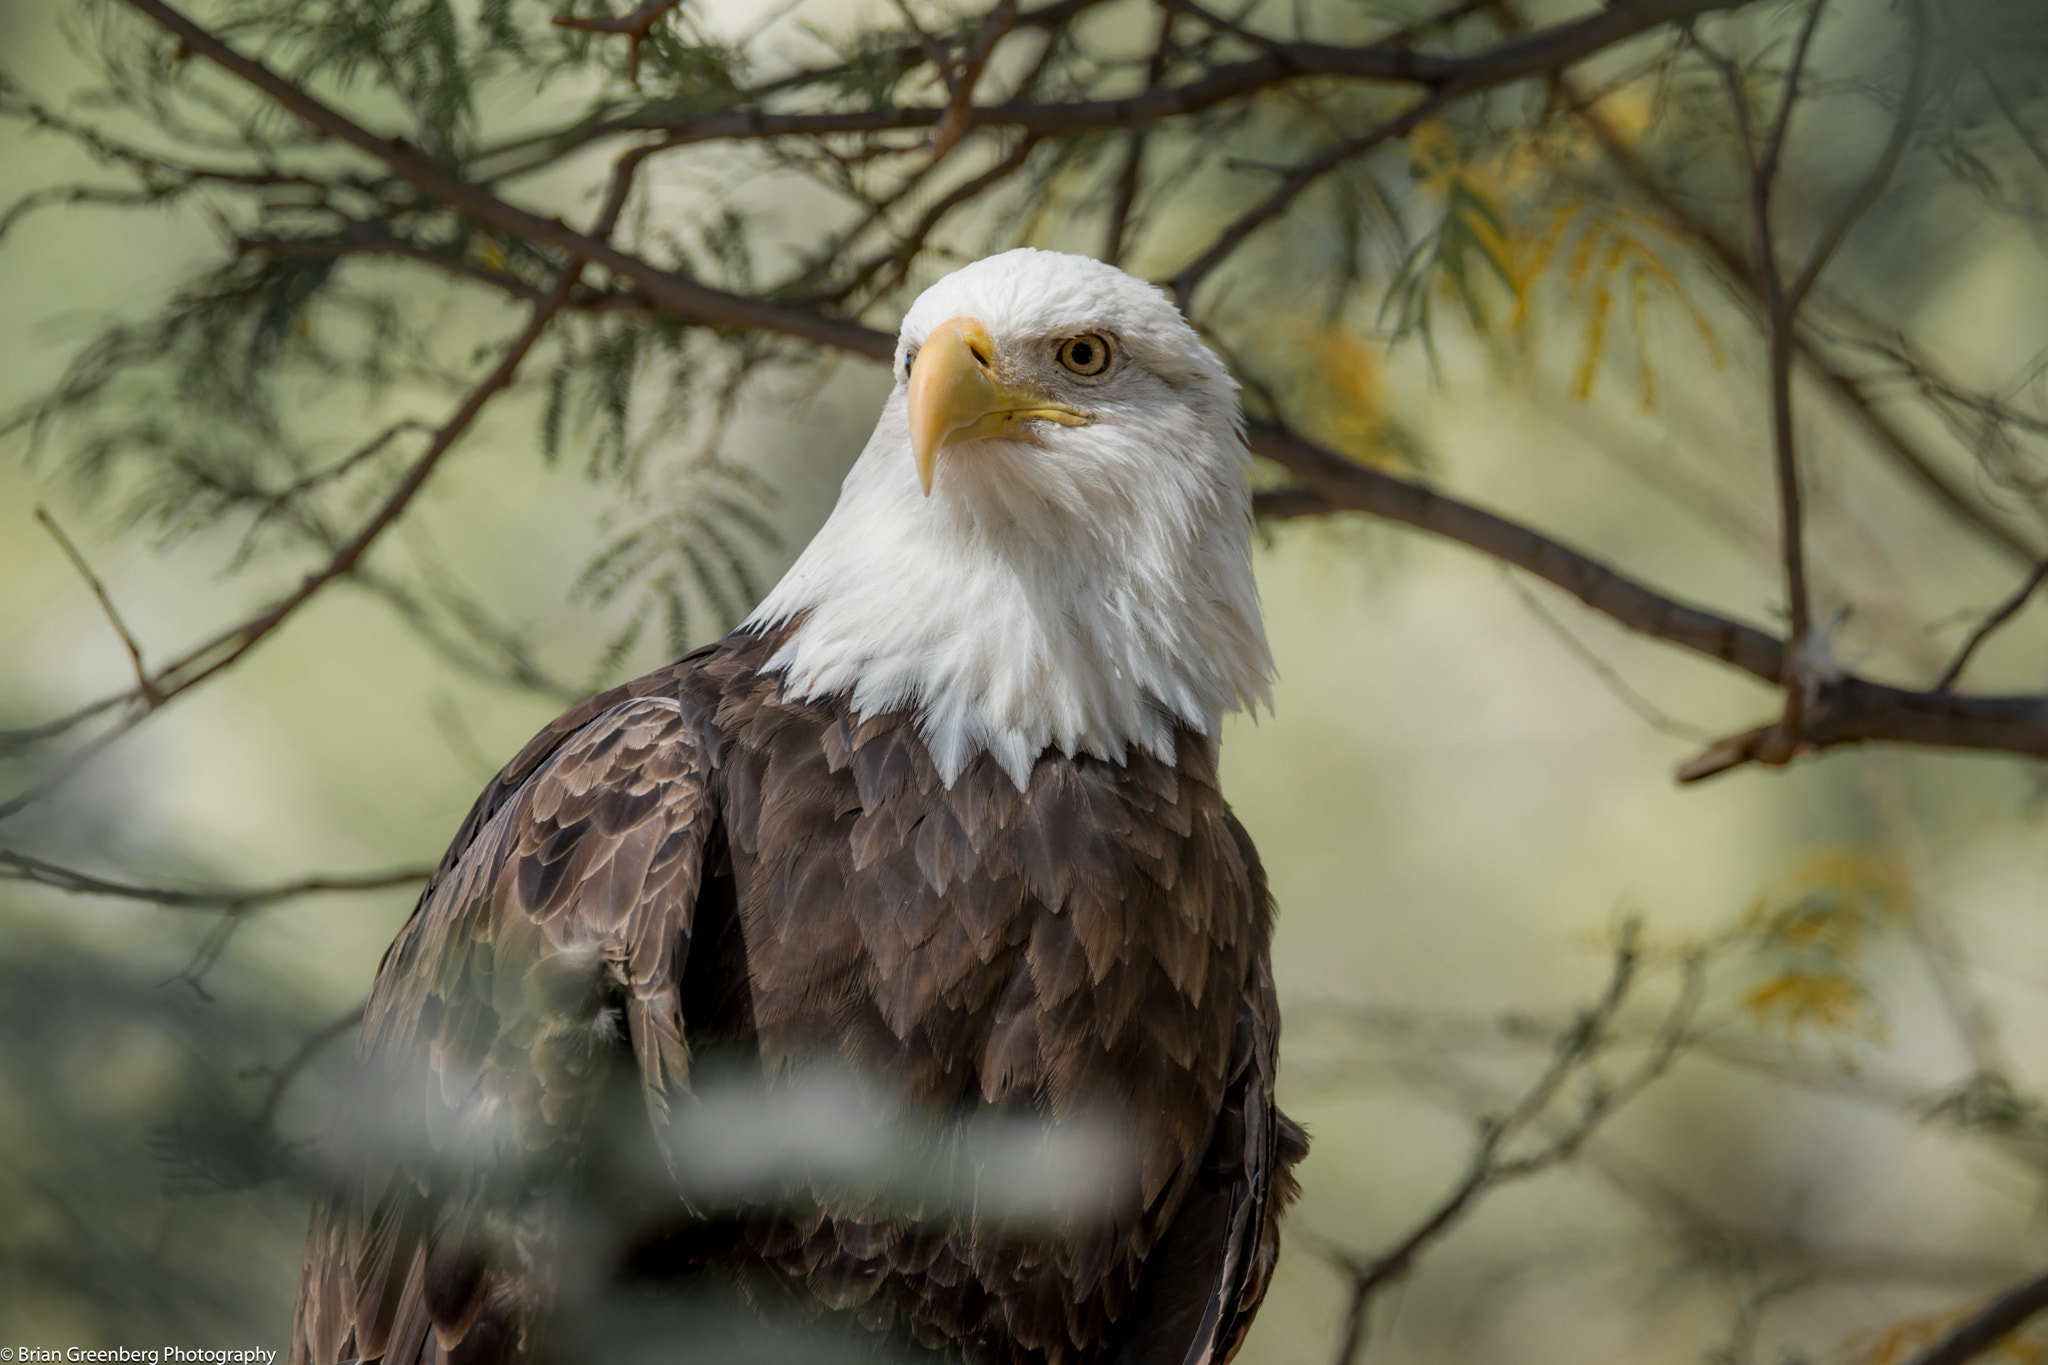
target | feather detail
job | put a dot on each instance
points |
(706, 862)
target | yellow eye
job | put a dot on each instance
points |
(1086, 355)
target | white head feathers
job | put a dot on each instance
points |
(1082, 587)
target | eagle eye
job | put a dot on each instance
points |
(1086, 355)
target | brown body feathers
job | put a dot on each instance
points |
(693, 875)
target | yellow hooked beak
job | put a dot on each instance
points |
(956, 395)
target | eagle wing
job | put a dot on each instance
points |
(1205, 1279)
(537, 976)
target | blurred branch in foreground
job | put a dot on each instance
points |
(1998, 1320)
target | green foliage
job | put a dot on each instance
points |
(424, 53)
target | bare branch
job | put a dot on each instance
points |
(1845, 710)
(1645, 709)
(1775, 745)
(1578, 1044)
(21, 867)
(935, 54)
(1134, 149)
(1788, 97)
(2004, 612)
(1276, 203)
(310, 1046)
(1932, 930)
(1341, 485)
(143, 683)
(1999, 1319)
(897, 260)
(1920, 42)
(636, 25)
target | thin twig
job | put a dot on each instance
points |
(897, 259)
(143, 682)
(635, 25)
(2004, 612)
(310, 1046)
(1919, 43)
(1273, 205)
(1457, 13)
(1574, 1047)
(1341, 485)
(959, 115)
(1934, 935)
(683, 297)
(1781, 310)
(935, 54)
(1539, 53)
(1781, 125)
(1647, 710)
(1126, 194)
(21, 867)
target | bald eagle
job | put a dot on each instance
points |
(942, 813)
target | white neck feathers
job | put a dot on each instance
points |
(1089, 593)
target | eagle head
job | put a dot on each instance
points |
(1046, 543)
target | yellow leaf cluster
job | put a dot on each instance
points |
(1511, 206)
(1821, 1001)
(1339, 395)
(1832, 900)
(1810, 929)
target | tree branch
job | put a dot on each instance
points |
(21, 867)
(1126, 194)
(1279, 63)
(310, 1046)
(1842, 710)
(1276, 203)
(1781, 125)
(961, 84)
(143, 683)
(1576, 1046)
(905, 250)
(1339, 485)
(1880, 174)
(1999, 1319)
(2005, 611)
(224, 650)
(636, 25)
(684, 298)
(1846, 392)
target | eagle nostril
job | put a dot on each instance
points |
(979, 356)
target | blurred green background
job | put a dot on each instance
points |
(1457, 811)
